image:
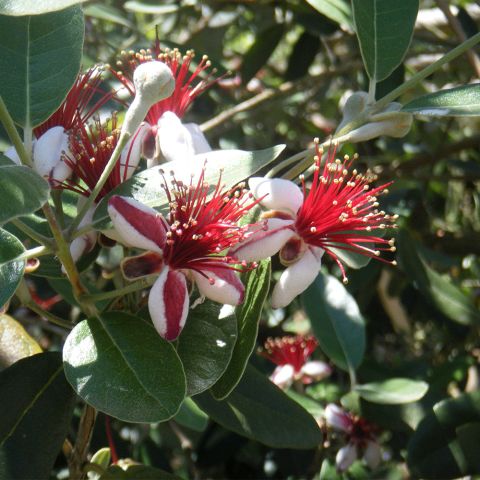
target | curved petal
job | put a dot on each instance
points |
(372, 454)
(345, 457)
(130, 157)
(315, 370)
(86, 242)
(296, 278)
(337, 418)
(174, 139)
(199, 142)
(47, 155)
(138, 225)
(283, 375)
(280, 194)
(264, 243)
(226, 287)
(168, 303)
(148, 263)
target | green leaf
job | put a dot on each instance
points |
(15, 342)
(441, 447)
(11, 267)
(37, 405)
(136, 472)
(384, 30)
(34, 7)
(393, 391)
(108, 13)
(460, 101)
(309, 404)
(205, 345)
(336, 321)
(236, 165)
(303, 54)
(257, 283)
(23, 191)
(150, 8)
(191, 416)
(259, 410)
(337, 10)
(439, 291)
(120, 365)
(39, 59)
(258, 54)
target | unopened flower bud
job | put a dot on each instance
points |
(337, 418)
(48, 154)
(354, 106)
(153, 82)
(345, 457)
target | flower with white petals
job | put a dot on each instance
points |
(169, 139)
(291, 355)
(338, 212)
(360, 436)
(186, 247)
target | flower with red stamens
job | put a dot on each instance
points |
(173, 140)
(291, 355)
(52, 135)
(186, 246)
(338, 212)
(360, 436)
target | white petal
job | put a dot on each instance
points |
(199, 142)
(373, 454)
(345, 457)
(12, 154)
(227, 287)
(174, 139)
(316, 370)
(130, 157)
(296, 278)
(264, 243)
(283, 375)
(47, 155)
(138, 225)
(168, 303)
(280, 194)
(86, 242)
(337, 418)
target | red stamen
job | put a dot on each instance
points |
(111, 443)
(293, 351)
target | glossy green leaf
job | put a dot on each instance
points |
(146, 186)
(302, 56)
(34, 7)
(152, 8)
(11, 267)
(258, 54)
(15, 342)
(39, 59)
(309, 404)
(393, 391)
(23, 191)
(439, 291)
(337, 10)
(441, 447)
(191, 416)
(257, 283)
(120, 365)
(205, 345)
(384, 29)
(259, 410)
(460, 101)
(336, 321)
(108, 13)
(37, 405)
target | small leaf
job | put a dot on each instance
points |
(257, 284)
(437, 448)
(205, 346)
(11, 267)
(191, 416)
(39, 60)
(146, 186)
(15, 342)
(302, 56)
(460, 101)
(393, 391)
(37, 405)
(439, 291)
(258, 54)
(337, 10)
(23, 191)
(120, 365)
(34, 7)
(259, 410)
(384, 30)
(336, 321)
(108, 13)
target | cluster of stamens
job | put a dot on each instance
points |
(293, 351)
